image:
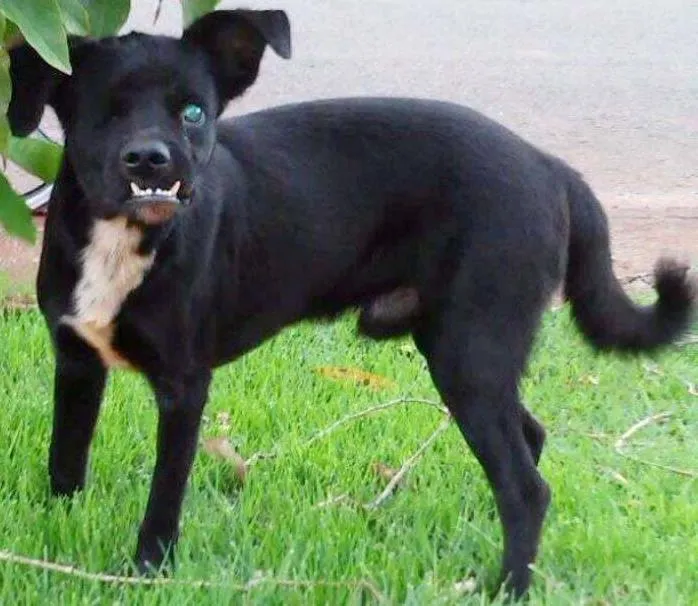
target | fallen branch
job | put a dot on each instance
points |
(258, 456)
(407, 466)
(100, 577)
(620, 442)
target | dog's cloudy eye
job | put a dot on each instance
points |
(192, 113)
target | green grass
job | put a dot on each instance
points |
(618, 532)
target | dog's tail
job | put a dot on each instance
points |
(607, 317)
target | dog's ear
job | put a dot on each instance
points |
(34, 85)
(235, 41)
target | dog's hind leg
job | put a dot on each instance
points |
(78, 386)
(180, 406)
(476, 351)
(534, 433)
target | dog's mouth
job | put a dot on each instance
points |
(154, 206)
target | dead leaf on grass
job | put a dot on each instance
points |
(221, 448)
(384, 471)
(356, 376)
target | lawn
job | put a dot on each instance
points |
(622, 528)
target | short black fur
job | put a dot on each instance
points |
(430, 218)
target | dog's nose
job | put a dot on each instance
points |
(146, 158)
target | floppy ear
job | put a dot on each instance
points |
(235, 41)
(33, 84)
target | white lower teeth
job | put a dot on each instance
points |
(137, 192)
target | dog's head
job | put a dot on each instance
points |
(139, 111)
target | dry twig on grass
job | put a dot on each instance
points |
(620, 444)
(395, 479)
(682, 472)
(258, 456)
(99, 577)
(407, 466)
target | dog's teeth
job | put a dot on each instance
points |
(174, 189)
(166, 193)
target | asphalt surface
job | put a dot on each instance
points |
(611, 85)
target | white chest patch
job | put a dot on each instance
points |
(111, 269)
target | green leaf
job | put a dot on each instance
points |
(5, 96)
(11, 34)
(75, 18)
(15, 215)
(193, 9)
(41, 24)
(39, 157)
(106, 17)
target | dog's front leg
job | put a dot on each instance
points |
(180, 405)
(78, 387)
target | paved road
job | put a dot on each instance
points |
(611, 85)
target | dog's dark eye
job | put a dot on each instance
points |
(193, 113)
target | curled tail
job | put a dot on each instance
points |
(607, 317)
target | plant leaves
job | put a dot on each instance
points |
(193, 9)
(356, 376)
(11, 35)
(39, 157)
(75, 18)
(221, 448)
(106, 17)
(41, 24)
(14, 213)
(5, 96)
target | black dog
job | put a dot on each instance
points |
(175, 243)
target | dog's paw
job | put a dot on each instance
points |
(65, 485)
(154, 556)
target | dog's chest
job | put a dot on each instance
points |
(111, 268)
